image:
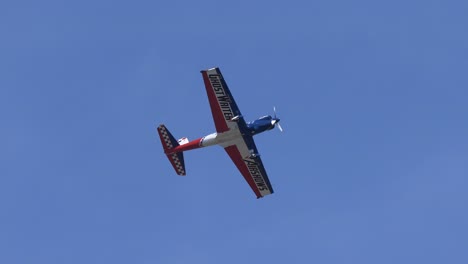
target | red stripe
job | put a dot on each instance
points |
(236, 157)
(220, 123)
(191, 145)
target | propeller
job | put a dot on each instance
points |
(276, 120)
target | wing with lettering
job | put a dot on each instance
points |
(223, 106)
(245, 156)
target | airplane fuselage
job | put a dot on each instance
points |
(228, 138)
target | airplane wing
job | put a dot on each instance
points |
(223, 106)
(227, 116)
(245, 155)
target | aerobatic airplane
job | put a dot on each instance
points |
(232, 133)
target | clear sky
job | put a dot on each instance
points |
(372, 166)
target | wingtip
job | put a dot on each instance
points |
(210, 69)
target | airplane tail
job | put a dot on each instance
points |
(169, 142)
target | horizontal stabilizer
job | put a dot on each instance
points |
(169, 142)
(177, 161)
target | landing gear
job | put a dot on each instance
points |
(253, 154)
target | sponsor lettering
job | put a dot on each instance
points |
(223, 98)
(256, 175)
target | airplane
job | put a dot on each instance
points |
(233, 133)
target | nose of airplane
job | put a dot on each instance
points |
(275, 122)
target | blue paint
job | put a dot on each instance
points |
(262, 124)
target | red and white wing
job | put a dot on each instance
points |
(245, 156)
(227, 116)
(223, 106)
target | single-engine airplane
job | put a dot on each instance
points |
(232, 133)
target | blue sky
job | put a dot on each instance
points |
(372, 166)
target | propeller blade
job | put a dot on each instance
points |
(279, 127)
(277, 120)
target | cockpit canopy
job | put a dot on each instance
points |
(267, 117)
